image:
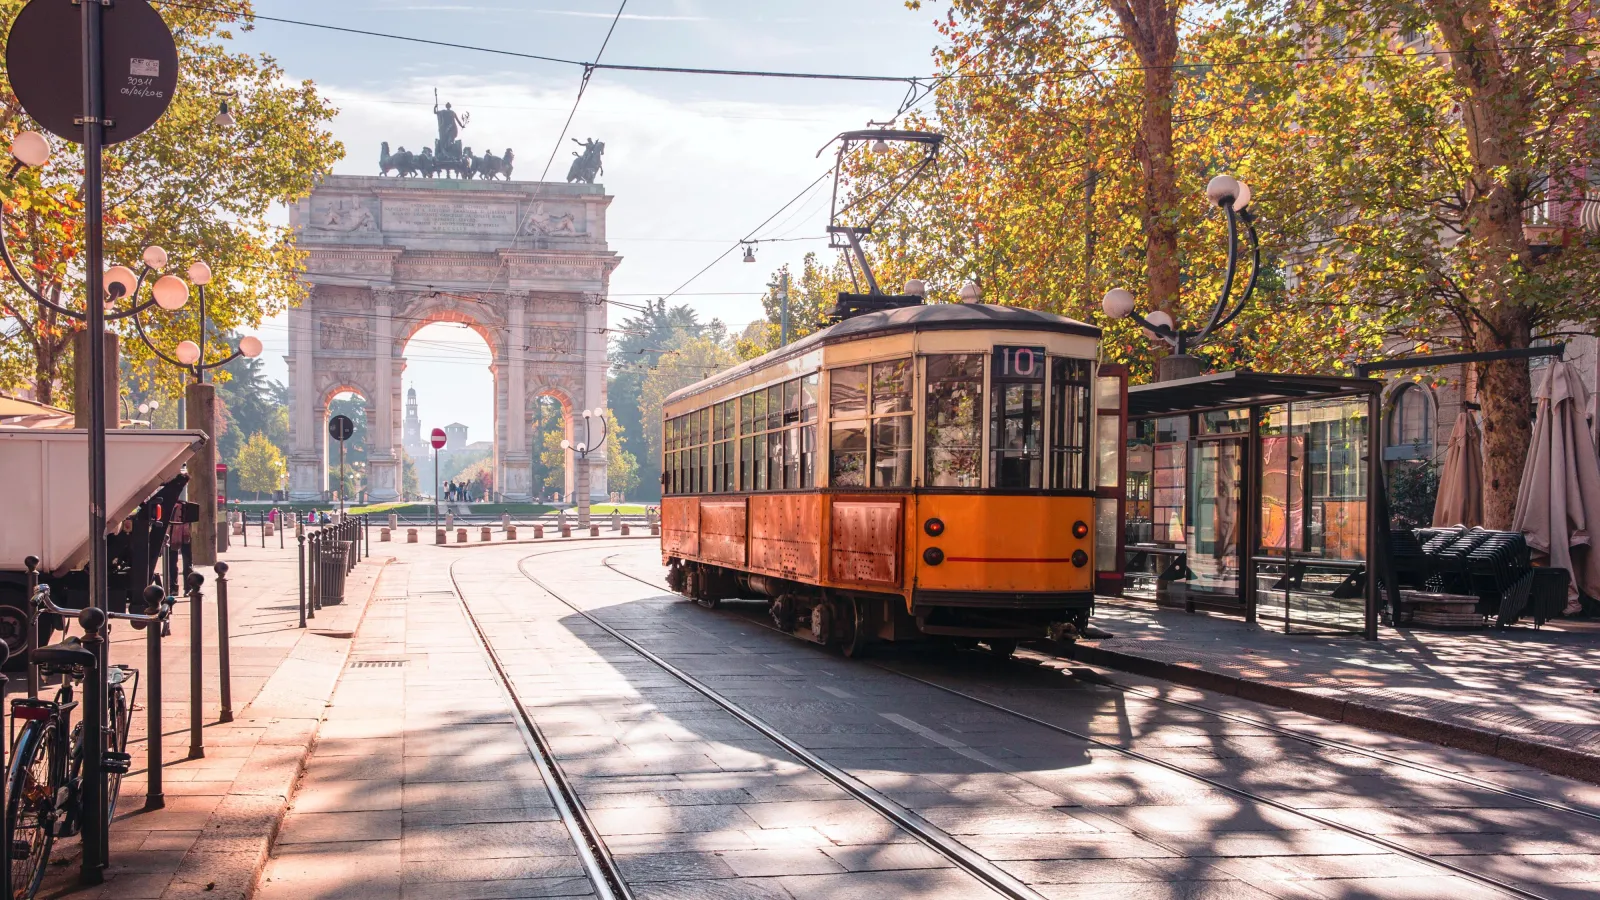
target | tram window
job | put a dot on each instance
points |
(808, 399)
(891, 451)
(775, 406)
(791, 458)
(758, 464)
(847, 392)
(775, 461)
(1069, 425)
(808, 456)
(955, 420)
(791, 402)
(891, 387)
(847, 466)
(747, 455)
(1018, 418)
(746, 405)
(758, 421)
(716, 467)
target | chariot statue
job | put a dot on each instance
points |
(447, 156)
(586, 167)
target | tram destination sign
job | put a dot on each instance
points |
(1017, 364)
(138, 64)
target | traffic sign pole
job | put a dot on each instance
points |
(437, 439)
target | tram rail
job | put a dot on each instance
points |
(1375, 840)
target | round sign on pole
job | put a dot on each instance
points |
(340, 428)
(437, 439)
(139, 66)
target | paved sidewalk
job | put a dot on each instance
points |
(222, 811)
(421, 785)
(1531, 697)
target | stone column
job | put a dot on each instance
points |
(200, 412)
(383, 462)
(516, 462)
(594, 383)
(80, 383)
(305, 468)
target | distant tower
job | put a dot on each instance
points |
(412, 436)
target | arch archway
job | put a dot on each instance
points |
(351, 480)
(451, 366)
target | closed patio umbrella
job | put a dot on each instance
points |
(1558, 505)
(1460, 500)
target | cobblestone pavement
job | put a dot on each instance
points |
(1516, 690)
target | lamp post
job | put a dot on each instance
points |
(583, 448)
(1234, 197)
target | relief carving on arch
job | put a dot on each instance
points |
(342, 333)
(559, 340)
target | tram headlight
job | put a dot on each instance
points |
(1080, 558)
(1080, 529)
(934, 556)
(933, 527)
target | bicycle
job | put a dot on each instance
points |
(44, 799)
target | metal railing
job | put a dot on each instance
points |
(326, 556)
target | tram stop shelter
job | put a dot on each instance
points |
(1257, 494)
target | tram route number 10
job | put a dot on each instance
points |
(1018, 364)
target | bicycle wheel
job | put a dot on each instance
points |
(116, 741)
(31, 806)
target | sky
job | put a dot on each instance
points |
(694, 162)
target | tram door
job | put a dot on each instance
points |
(1216, 533)
(1111, 451)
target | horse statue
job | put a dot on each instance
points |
(489, 165)
(402, 163)
(427, 166)
(586, 167)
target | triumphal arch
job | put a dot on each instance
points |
(524, 264)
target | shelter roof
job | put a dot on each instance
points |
(1240, 387)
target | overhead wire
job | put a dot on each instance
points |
(583, 85)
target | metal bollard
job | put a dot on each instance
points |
(197, 741)
(280, 529)
(224, 669)
(32, 636)
(154, 794)
(302, 539)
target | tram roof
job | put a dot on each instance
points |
(927, 317)
(1240, 387)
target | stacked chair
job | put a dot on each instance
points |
(1451, 566)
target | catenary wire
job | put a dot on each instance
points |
(583, 85)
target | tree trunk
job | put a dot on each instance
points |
(1151, 28)
(1495, 99)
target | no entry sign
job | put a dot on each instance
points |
(138, 66)
(437, 439)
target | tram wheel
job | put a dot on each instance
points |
(1002, 648)
(822, 625)
(855, 644)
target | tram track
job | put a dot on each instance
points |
(598, 864)
(1375, 840)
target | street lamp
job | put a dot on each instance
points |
(583, 448)
(1234, 197)
(172, 293)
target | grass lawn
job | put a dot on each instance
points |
(606, 509)
(393, 506)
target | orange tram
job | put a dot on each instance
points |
(918, 472)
